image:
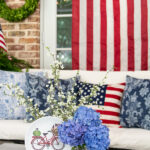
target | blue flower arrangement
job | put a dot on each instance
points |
(85, 130)
(96, 138)
(68, 133)
(87, 117)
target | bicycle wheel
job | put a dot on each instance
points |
(57, 144)
(38, 143)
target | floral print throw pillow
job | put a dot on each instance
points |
(135, 111)
(38, 90)
(9, 109)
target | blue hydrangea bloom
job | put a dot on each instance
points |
(87, 116)
(72, 133)
(97, 138)
(85, 128)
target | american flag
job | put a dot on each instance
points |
(108, 101)
(110, 111)
(111, 33)
(2, 41)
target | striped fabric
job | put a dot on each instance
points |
(2, 41)
(110, 112)
(108, 101)
(111, 33)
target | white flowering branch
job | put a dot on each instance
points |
(65, 104)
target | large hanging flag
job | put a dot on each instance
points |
(111, 33)
(2, 41)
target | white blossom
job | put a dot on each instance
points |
(63, 107)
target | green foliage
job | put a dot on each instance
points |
(80, 147)
(19, 14)
(10, 63)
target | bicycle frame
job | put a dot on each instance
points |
(46, 140)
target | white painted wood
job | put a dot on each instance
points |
(64, 15)
(41, 33)
(63, 49)
(48, 31)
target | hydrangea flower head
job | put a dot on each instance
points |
(72, 133)
(97, 138)
(87, 116)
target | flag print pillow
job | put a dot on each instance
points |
(107, 101)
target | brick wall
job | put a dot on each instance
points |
(23, 38)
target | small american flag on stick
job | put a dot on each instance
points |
(2, 40)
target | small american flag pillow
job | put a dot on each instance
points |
(108, 101)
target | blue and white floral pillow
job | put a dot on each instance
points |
(9, 108)
(135, 111)
(38, 88)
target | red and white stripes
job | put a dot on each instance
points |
(111, 33)
(110, 111)
(2, 42)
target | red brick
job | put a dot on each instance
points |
(22, 0)
(29, 40)
(29, 26)
(34, 61)
(38, 6)
(13, 54)
(34, 19)
(8, 27)
(36, 66)
(2, 21)
(16, 33)
(28, 54)
(15, 5)
(23, 38)
(8, 1)
(33, 47)
(37, 12)
(9, 40)
(5, 34)
(34, 33)
(16, 47)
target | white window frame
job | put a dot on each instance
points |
(48, 12)
(48, 30)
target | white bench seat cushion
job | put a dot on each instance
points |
(133, 138)
(13, 129)
(97, 76)
(11, 146)
(130, 138)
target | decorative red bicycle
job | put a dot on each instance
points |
(39, 142)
